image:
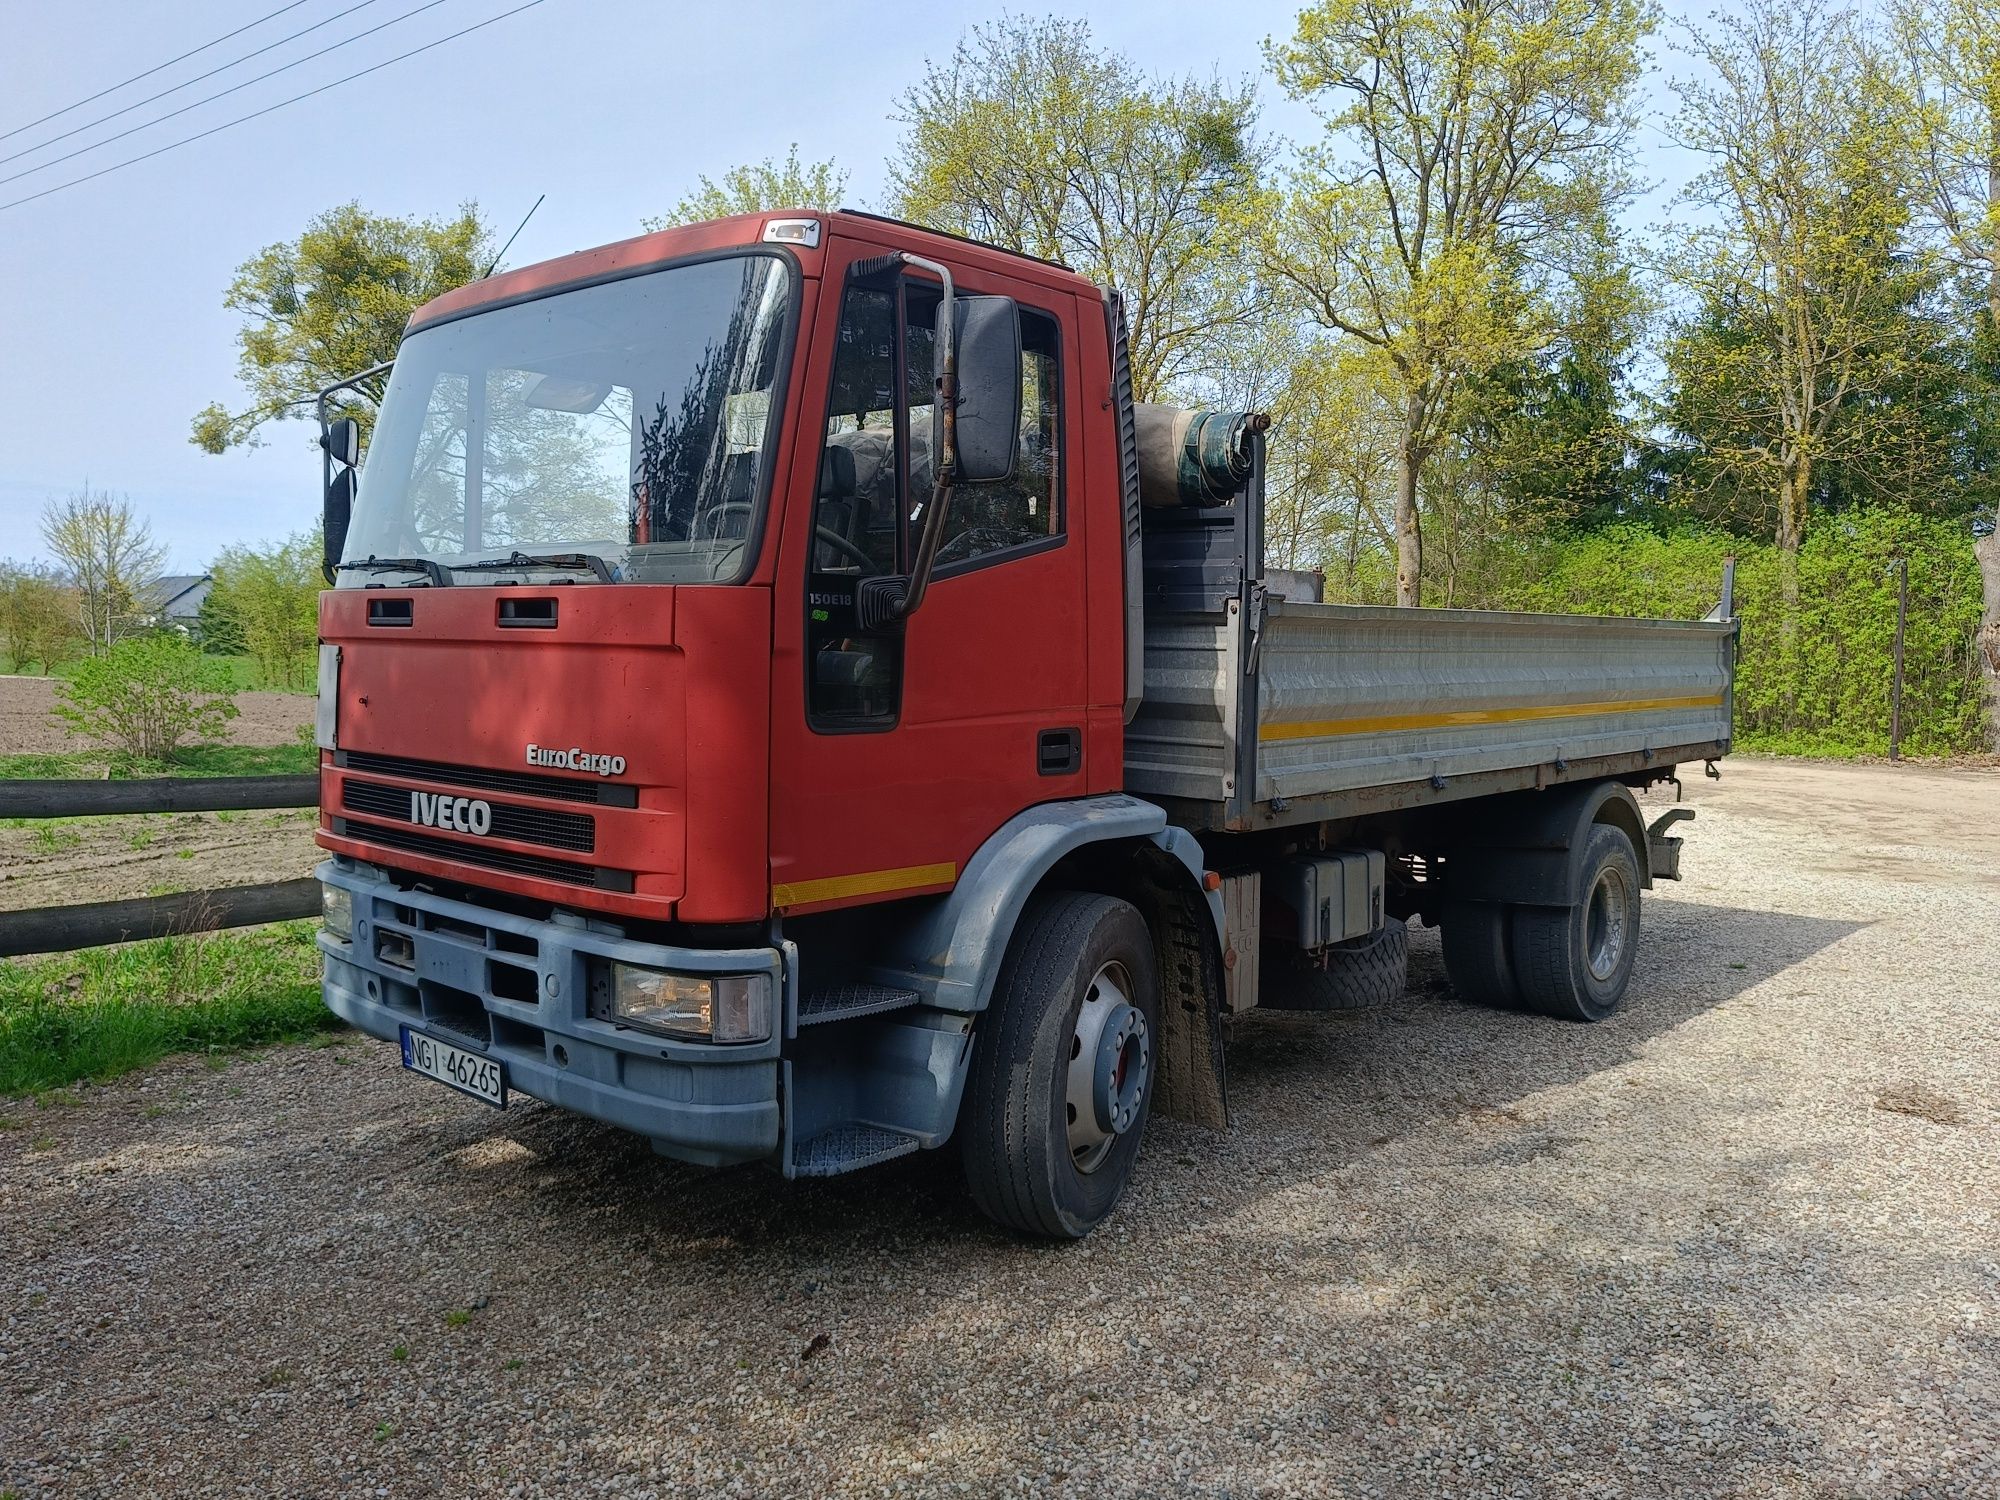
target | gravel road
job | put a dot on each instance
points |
(1742, 1240)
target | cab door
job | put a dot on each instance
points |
(898, 750)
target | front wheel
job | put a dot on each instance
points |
(1062, 1067)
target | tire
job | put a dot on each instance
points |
(1479, 954)
(1357, 975)
(1034, 1163)
(1573, 962)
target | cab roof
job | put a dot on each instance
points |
(744, 231)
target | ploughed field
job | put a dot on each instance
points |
(104, 859)
(1743, 1240)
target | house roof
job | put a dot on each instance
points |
(177, 593)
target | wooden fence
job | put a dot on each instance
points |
(62, 929)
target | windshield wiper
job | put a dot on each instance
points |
(588, 562)
(430, 567)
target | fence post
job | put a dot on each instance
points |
(1896, 682)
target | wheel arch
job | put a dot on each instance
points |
(1117, 846)
(1525, 848)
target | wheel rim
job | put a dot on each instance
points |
(1607, 927)
(1110, 1064)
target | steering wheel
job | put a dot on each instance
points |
(840, 543)
(974, 540)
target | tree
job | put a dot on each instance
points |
(332, 304)
(148, 697)
(110, 556)
(37, 615)
(1799, 275)
(1032, 137)
(271, 595)
(760, 186)
(1951, 49)
(1474, 147)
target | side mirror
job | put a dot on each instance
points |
(342, 442)
(338, 509)
(989, 389)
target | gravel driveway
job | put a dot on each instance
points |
(1742, 1240)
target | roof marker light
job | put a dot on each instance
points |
(792, 232)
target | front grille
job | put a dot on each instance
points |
(534, 865)
(523, 783)
(525, 825)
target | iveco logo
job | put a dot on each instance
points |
(574, 759)
(460, 814)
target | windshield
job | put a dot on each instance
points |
(615, 433)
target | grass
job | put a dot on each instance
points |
(109, 1010)
(243, 672)
(201, 760)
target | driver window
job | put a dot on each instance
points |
(855, 674)
(854, 516)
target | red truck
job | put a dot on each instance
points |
(780, 695)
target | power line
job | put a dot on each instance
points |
(234, 88)
(184, 84)
(268, 109)
(151, 71)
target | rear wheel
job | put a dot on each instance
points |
(1062, 1070)
(1354, 975)
(1573, 962)
(1479, 955)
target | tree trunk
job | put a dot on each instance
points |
(1987, 550)
(1409, 526)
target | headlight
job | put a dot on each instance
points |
(714, 1008)
(337, 908)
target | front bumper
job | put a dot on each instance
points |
(517, 990)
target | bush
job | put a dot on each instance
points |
(1818, 683)
(268, 600)
(148, 696)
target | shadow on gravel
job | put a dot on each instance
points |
(1324, 1090)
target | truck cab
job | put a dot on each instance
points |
(726, 675)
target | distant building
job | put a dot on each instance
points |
(174, 602)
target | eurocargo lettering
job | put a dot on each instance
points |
(978, 770)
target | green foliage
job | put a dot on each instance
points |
(104, 1012)
(1033, 137)
(1823, 687)
(147, 697)
(758, 187)
(271, 597)
(38, 616)
(332, 304)
(219, 628)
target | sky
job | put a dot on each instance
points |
(112, 329)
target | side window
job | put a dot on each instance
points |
(1028, 508)
(854, 676)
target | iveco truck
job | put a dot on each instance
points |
(781, 696)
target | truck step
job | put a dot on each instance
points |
(847, 1148)
(848, 1000)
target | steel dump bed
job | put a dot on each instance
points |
(1260, 712)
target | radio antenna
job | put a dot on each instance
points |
(511, 238)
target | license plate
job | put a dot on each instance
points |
(467, 1072)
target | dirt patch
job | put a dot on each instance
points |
(27, 727)
(106, 859)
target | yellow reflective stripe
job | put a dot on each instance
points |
(868, 883)
(1465, 717)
